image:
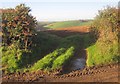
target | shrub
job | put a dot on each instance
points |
(105, 26)
(18, 30)
(18, 26)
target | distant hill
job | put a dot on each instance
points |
(40, 26)
(64, 24)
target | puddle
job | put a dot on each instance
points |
(77, 62)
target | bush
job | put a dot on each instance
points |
(18, 30)
(105, 26)
(18, 26)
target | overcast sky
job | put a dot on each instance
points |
(58, 10)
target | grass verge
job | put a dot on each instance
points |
(97, 54)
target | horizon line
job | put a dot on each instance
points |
(63, 20)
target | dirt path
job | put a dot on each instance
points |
(101, 74)
(106, 73)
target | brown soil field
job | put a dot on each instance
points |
(83, 29)
(104, 73)
(63, 32)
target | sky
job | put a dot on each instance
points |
(61, 10)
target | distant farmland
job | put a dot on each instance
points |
(64, 24)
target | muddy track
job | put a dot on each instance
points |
(106, 73)
(95, 74)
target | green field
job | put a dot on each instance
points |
(64, 24)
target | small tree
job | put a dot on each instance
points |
(18, 26)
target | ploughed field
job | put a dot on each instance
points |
(63, 32)
(106, 73)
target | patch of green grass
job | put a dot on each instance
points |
(63, 58)
(46, 62)
(10, 58)
(102, 54)
(79, 41)
(54, 60)
(64, 24)
(90, 52)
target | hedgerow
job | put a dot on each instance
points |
(106, 28)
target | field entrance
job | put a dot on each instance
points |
(78, 61)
